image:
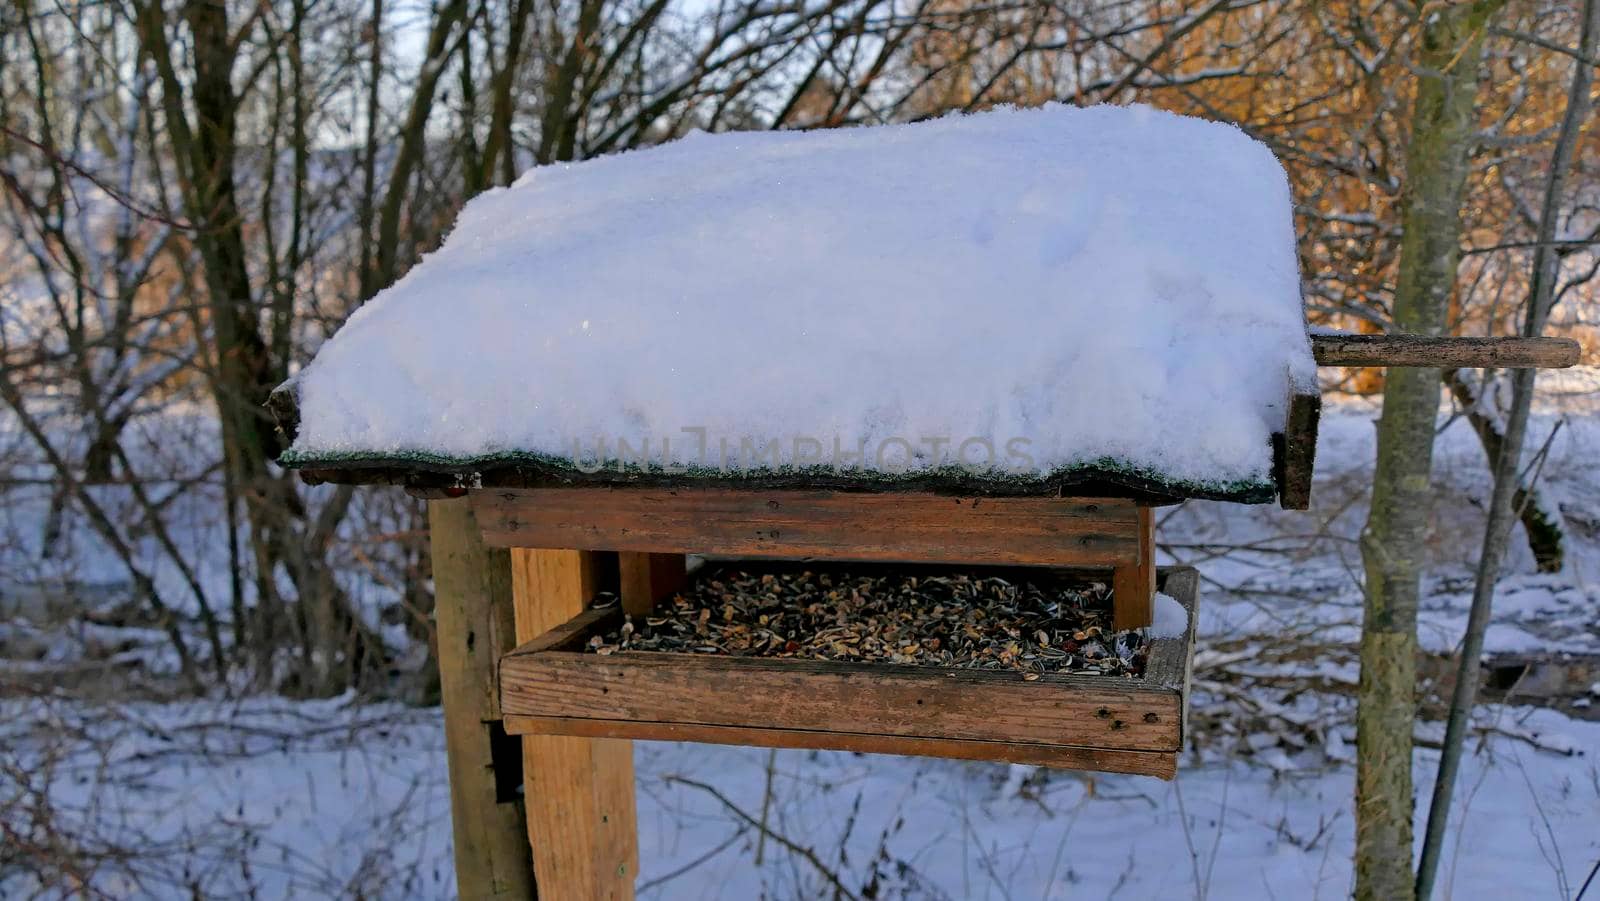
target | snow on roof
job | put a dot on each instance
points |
(1017, 295)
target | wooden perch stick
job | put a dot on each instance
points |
(1445, 353)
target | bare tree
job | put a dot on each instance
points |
(1391, 545)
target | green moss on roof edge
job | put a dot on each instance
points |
(952, 479)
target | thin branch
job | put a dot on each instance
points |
(805, 853)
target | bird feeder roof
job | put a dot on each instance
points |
(1020, 301)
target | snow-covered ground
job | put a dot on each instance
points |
(271, 798)
(276, 799)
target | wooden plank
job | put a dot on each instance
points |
(581, 816)
(1171, 660)
(1162, 764)
(550, 587)
(826, 696)
(570, 635)
(472, 606)
(1445, 353)
(1133, 586)
(648, 579)
(823, 525)
(1167, 665)
(1294, 450)
(580, 801)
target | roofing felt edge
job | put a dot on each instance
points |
(528, 469)
(521, 469)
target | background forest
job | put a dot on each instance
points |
(194, 194)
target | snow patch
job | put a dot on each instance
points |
(1171, 618)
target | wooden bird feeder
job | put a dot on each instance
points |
(551, 686)
(519, 561)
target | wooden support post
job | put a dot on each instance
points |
(1133, 587)
(472, 605)
(579, 791)
(648, 579)
(1294, 450)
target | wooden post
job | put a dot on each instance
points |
(1133, 587)
(1294, 450)
(647, 579)
(579, 791)
(472, 604)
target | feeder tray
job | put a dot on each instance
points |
(554, 685)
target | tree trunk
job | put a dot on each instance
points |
(413, 138)
(1392, 544)
(244, 368)
(558, 128)
(334, 641)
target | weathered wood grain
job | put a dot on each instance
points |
(839, 697)
(472, 606)
(1168, 663)
(1171, 660)
(823, 525)
(647, 579)
(1294, 450)
(1133, 585)
(1162, 764)
(1445, 353)
(570, 635)
(580, 793)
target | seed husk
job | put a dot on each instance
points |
(1035, 625)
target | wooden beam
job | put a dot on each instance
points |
(1162, 764)
(1294, 450)
(828, 696)
(580, 801)
(1445, 353)
(1133, 585)
(648, 579)
(472, 606)
(819, 525)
